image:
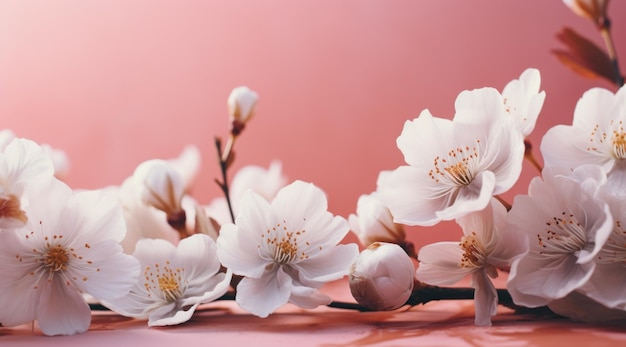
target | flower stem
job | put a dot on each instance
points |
(528, 155)
(225, 159)
(605, 32)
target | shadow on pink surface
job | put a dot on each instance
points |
(434, 324)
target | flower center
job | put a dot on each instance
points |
(619, 144)
(474, 252)
(170, 288)
(284, 244)
(10, 207)
(56, 258)
(164, 281)
(457, 168)
(563, 235)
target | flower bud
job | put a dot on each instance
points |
(241, 103)
(374, 222)
(160, 185)
(382, 277)
(595, 10)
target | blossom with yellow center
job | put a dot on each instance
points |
(486, 245)
(175, 280)
(286, 250)
(69, 246)
(566, 227)
(454, 166)
(597, 136)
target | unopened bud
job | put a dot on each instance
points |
(382, 277)
(161, 186)
(595, 10)
(374, 222)
(241, 103)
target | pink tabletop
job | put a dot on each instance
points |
(114, 83)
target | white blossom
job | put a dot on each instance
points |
(174, 281)
(286, 250)
(70, 246)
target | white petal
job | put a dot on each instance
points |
(238, 252)
(308, 298)
(479, 106)
(264, 295)
(197, 254)
(440, 264)
(485, 299)
(62, 310)
(299, 202)
(424, 138)
(410, 196)
(110, 274)
(569, 147)
(471, 198)
(606, 286)
(330, 265)
(533, 282)
(165, 312)
(100, 215)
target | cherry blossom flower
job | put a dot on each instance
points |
(606, 284)
(70, 246)
(566, 227)
(521, 98)
(597, 136)
(382, 277)
(265, 182)
(454, 167)
(286, 249)
(485, 247)
(21, 162)
(175, 280)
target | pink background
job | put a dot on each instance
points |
(117, 82)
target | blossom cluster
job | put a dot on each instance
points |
(563, 244)
(147, 249)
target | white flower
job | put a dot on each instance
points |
(265, 182)
(175, 280)
(606, 285)
(523, 101)
(382, 277)
(21, 162)
(373, 222)
(286, 249)
(597, 136)
(566, 227)
(486, 246)
(454, 167)
(70, 246)
(595, 10)
(241, 103)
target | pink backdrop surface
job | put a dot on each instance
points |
(116, 82)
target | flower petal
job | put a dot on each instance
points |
(440, 264)
(329, 265)
(264, 295)
(62, 310)
(485, 299)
